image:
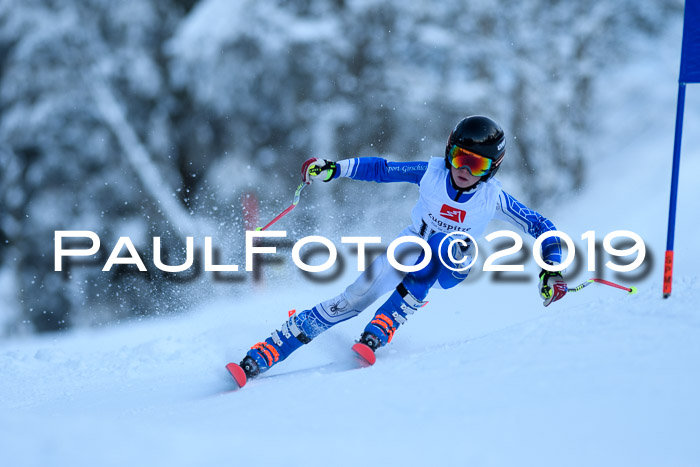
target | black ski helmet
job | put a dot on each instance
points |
(482, 136)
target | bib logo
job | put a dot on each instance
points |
(453, 214)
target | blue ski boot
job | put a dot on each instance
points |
(298, 330)
(386, 321)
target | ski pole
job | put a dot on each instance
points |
(286, 211)
(629, 290)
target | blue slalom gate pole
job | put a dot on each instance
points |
(689, 73)
(668, 260)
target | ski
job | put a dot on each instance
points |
(237, 373)
(365, 353)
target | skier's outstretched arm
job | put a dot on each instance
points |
(552, 286)
(370, 169)
(531, 222)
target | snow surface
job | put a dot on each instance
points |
(484, 375)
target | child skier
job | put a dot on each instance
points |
(457, 194)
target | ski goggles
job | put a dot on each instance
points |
(460, 158)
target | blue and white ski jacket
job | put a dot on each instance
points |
(489, 200)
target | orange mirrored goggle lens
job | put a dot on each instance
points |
(461, 158)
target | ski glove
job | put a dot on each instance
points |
(315, 168)
(552, 287)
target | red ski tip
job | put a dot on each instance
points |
(237, 373)
(365, 353)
